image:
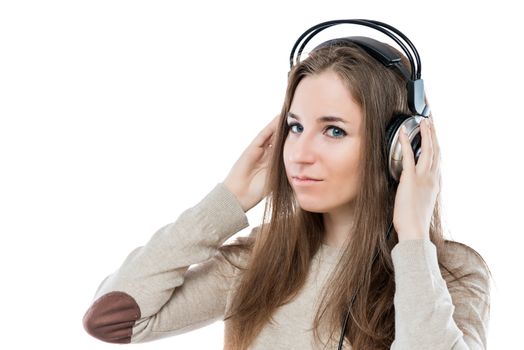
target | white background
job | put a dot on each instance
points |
(118, 115)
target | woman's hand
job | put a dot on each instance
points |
(247, 178)
(419, 185)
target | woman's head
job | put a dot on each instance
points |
(344, 82)
(347, 83)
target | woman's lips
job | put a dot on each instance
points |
(304, 181)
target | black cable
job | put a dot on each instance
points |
(344, 326)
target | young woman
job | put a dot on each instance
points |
(290, 283)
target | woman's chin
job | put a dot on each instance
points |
(312, 206)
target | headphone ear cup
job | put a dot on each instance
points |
(393, 146)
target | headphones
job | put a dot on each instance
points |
(415, 86)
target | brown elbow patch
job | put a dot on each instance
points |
(111, 317)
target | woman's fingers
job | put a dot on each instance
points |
(426, 155)
(436, 148)
(263, 138)
(408, 161)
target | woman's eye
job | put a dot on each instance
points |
(338, 132)
(291, 126)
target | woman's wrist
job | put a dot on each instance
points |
(235, 192)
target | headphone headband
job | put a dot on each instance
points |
(379, 51)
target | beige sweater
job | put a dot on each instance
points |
(175, 284)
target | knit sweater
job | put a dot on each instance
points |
(177, 283)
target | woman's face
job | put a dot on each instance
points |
(324, 150)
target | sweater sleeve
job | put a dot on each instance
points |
(429, 314)
(156, 292)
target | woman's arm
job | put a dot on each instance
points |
(429, 314)
(155, 293)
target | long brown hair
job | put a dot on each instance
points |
(289, 237)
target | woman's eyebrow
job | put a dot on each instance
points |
(323, 119)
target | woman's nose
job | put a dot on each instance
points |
(302, 149)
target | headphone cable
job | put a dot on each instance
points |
(342, 333)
